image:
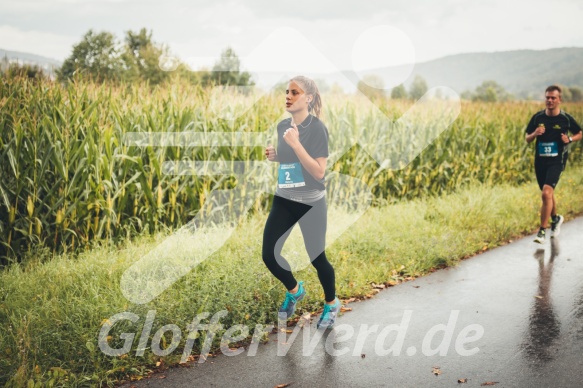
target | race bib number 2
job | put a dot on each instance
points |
(290, 175)
(548, 149)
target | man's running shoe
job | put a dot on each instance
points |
(556, 225)
(329, 315)
(288, 307)
(540, 237)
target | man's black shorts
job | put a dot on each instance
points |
(548, 173)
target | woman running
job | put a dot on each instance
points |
(302, 152)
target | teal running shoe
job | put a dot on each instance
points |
(329, 315)
(288, 307)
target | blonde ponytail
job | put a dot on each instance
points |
(310, 87)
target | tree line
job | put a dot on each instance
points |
(372, 86)
(101, 57)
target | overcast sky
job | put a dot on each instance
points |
(322, 34)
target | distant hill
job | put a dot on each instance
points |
(48, 64)
(523, 72)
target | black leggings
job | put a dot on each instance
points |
(312, 218)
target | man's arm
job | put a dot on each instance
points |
(567, 139)
(575, 130)
(537, 132)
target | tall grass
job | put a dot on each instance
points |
(68, 178)
(53, 308)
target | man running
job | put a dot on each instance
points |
(551, 127)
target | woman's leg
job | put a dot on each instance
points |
(282, 217)
(313, 226)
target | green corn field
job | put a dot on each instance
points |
(68, 179)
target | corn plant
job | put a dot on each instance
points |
(68, 180)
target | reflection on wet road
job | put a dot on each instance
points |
(513, 315)
(544, 326)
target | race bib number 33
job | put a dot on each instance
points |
(548, 149)
(290, 175)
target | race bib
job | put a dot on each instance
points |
(548, 149)
(290, 175)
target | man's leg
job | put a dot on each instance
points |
(553, 176)
(548, 206)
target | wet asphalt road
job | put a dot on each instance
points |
(518, 307)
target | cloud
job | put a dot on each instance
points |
(329, 9)
(199, 28)
(36, 42)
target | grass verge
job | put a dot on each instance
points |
(52, 308)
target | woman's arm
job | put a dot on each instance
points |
(271, 154)
(316, 167)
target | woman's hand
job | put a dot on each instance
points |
(316, 167)
(270, 153)
(292, 136)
